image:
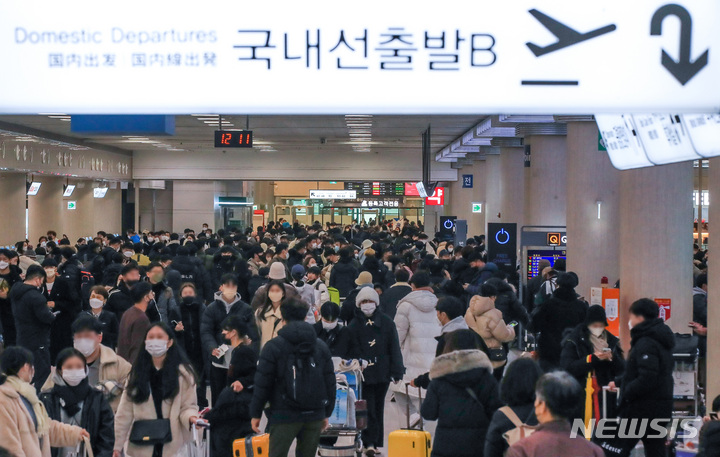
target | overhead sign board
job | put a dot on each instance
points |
(333, 194)
(233, 138)
(563, 56)
(437, 198)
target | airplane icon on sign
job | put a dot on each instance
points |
(566, 35)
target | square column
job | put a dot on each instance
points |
(713, 317)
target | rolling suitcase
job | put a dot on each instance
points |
(252, 446)
(409, 442)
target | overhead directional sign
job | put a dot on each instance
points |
(521, 56)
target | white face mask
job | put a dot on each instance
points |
(150, 239)
(86, 346)
(43, 244)
(96, 303)
(329, 325)
(597, 331)
(630, 326)
(4, 265)
(275, 296)
(368, 308)
(74, 377)
(128, 254)
(50, 273)
(156, 348)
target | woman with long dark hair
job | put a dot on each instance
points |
(73, 401)
(268, 317)
(26, 430)
(161, 388)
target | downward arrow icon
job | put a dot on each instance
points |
(684, 69)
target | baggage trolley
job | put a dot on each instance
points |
(349, 418)
(685, 376)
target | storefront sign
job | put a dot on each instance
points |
(333, 194)
(135, 57)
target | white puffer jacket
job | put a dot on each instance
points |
(417, 327)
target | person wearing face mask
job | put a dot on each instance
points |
(26, 428)
(33, 320)
(106, 370)
(374, 338)
(227, 302)
(165, 305)
(120, 298)
(223, 263)
(135, 322)
(320, 290)
(230, 414)
(107, 319)
(8, 278)
(59, 298)
(590, 350)
(161, 387)
(276, 273)
(73, 401)
(255, 261)
(190, 314)
(268, 316)
(336, 336)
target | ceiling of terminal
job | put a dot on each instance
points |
(296, 134)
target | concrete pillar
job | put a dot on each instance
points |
(512, 186)
(493, 189)
(713, 343)
(656, 241)
(458, 201)
(80, 221)
(545, 181)
(45, 208)
(12, 222)
(107, 215)
(136, 190)
(193, 204)
(592, 245)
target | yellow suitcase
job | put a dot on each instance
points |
(409, 442)
(252, 446)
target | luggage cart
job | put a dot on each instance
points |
(349, 418)
(686, 391)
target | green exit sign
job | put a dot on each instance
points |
(476, 207)
(72, 205)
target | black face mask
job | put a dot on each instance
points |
(188, 300)
(131, 283)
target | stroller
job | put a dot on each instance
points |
(349, 418)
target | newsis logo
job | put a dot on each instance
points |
(634, 428)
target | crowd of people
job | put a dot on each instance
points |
(114, 343)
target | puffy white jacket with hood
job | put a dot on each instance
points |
(417, 326)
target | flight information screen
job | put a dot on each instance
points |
(376, 188)
(534, 256)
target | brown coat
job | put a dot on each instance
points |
(179, 410)
(487, 321)
(553, 439)
(18, 435)
(112, 368)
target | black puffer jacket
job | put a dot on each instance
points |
(577, 347)
(551, 319)
(192, 270)
(119, 301)
(495, 443)
(337, 339)
(213, 316)
(33, 318)
(463, 421)
(343, 275)
(378, 343)
(377, 269)
(97, 418)
(646, 389)
(271, 372)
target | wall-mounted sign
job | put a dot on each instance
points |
(368, 203)
(534, 57)
(502, 246)
(467, 181)
(556, 239)
(437, 198)
(333, 194)
(72, 204)
(233, 138)
(665, 305)
(476, 207)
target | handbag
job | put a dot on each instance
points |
(497, 354)
(151, 432)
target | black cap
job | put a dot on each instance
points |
(314, 270)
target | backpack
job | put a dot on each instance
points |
(303, 378)
(521, 430)
(334, 295)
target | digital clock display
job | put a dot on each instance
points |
(233, 138)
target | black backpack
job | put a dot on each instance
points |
(303, 378)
